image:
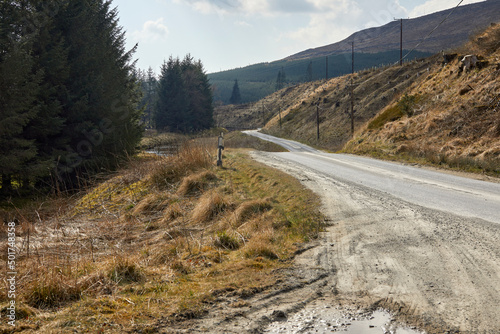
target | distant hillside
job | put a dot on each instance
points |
(259, 80)
(427, 110)
(452, 117)
(374, 47)
(465, 21)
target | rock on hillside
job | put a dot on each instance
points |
(452, 116)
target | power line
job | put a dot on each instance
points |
(433, 30)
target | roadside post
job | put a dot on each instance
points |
(221, 147)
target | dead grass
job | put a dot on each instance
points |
(133, 250)
(169, 170)
(196, 183)
(455, 122)
(210, 205)
(250, 208)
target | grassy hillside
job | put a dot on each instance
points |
(453, 31)
(373, 90)
(449, 118)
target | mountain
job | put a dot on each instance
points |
(374, 47)
(459, 24)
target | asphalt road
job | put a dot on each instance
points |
(435, 190)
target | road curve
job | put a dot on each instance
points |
(431, 189)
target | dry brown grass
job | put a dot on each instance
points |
(250, 208)
(209, 206)
(169, 170)
(456, 124)
(133, 250)
(196, 183)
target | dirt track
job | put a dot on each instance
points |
(433, 270)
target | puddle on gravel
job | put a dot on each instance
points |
(330, 320)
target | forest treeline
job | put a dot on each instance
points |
(68, 94)
(72, 103)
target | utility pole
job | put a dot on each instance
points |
(317, 121)
(326, 67)
(401, 45)
(400, 42)
(352, 92)
(280, 115)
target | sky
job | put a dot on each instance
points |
(226, 34)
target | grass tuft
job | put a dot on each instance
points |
(196, 183)
(123, 272)
(51, 290)
(209, 206)
(169, 170)
(249, 208)
(225, 240)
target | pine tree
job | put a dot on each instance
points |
(50, 57)
(235, 96)
(149, 86)
(68, 93)
(19, 86)
(185, 102)
(172, 97)
(101, 118)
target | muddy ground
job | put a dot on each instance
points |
(435, 272)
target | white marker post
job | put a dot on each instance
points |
(221, 147)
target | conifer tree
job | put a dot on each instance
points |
(185, 102)
(172, 97)
(101, 118)
(149, 86)
(19, 86)
(235, 96)
(50, 57)
(68, 94)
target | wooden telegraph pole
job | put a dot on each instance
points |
(326, 67)
(317, 121)
(352, 91)
(400, 42)
(280, 115)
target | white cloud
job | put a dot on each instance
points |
(243, 24)
(152, 31)
(337, 19)
(433, 6)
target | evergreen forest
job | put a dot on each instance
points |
(68, 93)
